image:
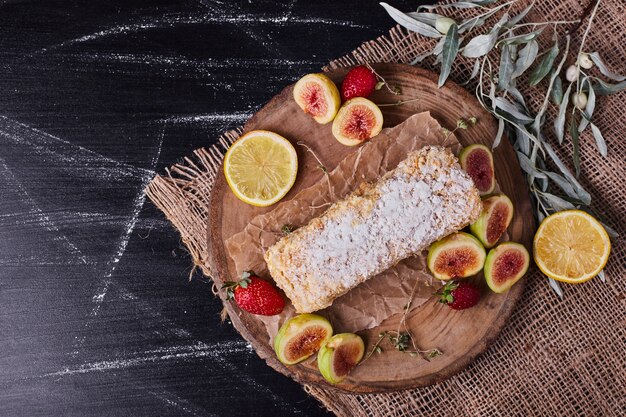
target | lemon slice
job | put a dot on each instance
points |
(571, 246)
(261, 167)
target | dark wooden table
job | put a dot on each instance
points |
(98, 316)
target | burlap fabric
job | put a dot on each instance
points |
(554, 357)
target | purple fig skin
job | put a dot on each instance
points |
(494, 219)
(477, 161)
(506, 264)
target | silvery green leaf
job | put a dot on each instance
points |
(439, 46)
(557, 161)
(506, 68)
(611, 232)
(471, 23)
(438, 60)
(559, 122)
(457, 5)
(505, 105)
(525, 59)
(589, 108)
(545, 65)
(606, 89)
(474, 72)
(498, 138)
(600, 142)
(480, 45)
(424, 17)
(518, 39)
(410, 23)
(450, 49)
(501, 22)
(519, 98)
(517, 18)
(555, 286)
(557, 202)
(602, 276)
(557, 91)
(573, 131)
(595, 57)
(543, 184)
(528, 167)
(563, 184)
(420, 58)
(523, 137)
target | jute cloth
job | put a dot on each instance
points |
(555, 356)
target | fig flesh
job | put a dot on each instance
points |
(505, 265)
(339, 356)
(358, 120)
(318, 96)
(300, 337)
(458, 255)
(494, 219)
(477, 161)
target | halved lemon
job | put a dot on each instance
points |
(261, 167)
(571, 246)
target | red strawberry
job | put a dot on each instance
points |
(459, 296)
(254, 295)
(359, 82)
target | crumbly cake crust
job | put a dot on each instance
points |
(427, 197)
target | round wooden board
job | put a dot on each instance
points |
(461, 335)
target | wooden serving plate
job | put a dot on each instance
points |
(461, 335)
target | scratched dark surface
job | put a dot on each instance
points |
(97, 315)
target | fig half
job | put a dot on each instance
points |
(318, 96)
(494, 219)
(358, 120)
(477, 161)
(339, 356)
(300, 337)
(458, 255)
(505, 265)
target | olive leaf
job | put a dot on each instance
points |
(557, 161)
(498, 137)
(595, 57)
(518, 39)
(450, 49)
(480, 45)
(559, 122)
(602, 276)
(555, 286)
(424, 17)
(606, 89)
(456, 5)
(474, 72)
(526, 57)
(517, 18)
(472, 23)
(557, 91)
(410, 23)
(528, 167)
(545, 65)
(600, 142)
(518, 97)
(522, 139)
(573, 131)
(557, 202)
(506, 68)
(563, 184)
(508, 107)
(589, 108)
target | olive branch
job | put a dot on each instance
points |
(508, 50)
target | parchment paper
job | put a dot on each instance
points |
(368, 304)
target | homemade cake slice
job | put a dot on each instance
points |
(427, 197)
